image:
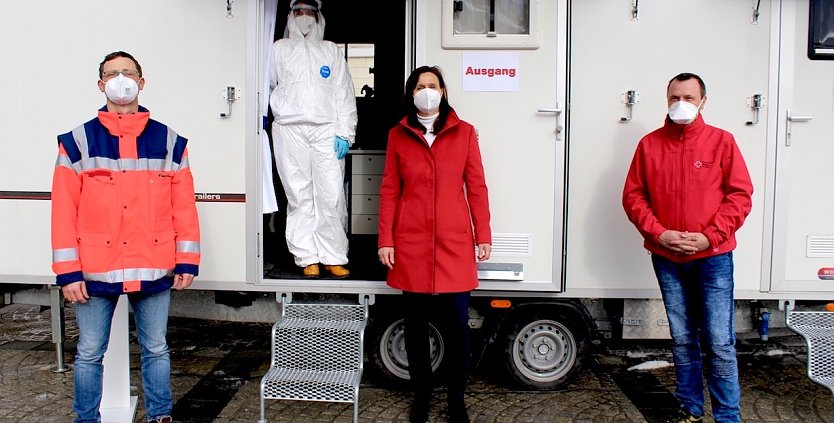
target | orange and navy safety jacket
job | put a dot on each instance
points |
(688, 178)
(124, 218)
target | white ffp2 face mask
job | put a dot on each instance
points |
(305, 23)
(121, 90)
(427, 100)
(683, 112)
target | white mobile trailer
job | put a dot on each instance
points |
(584, 81)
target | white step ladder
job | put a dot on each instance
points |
(317, 351)
(817, 327)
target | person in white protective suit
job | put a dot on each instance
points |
(314, 105)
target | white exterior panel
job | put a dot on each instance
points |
(189, 52)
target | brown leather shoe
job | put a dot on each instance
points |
(337, 270)
(311, 271)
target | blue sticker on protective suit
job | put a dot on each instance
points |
(325, 71)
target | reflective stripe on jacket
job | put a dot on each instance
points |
(124, 217)
(688, 178)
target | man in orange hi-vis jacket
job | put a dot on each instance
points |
(124, 221)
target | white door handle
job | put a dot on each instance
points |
(557, 111)
(792, 118)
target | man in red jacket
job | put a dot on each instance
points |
(124, 221)
(688, 192)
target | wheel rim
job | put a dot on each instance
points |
(544, 351)
(392, 349)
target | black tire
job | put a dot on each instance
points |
(543, 349)
(386, 351)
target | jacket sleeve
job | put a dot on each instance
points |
(389, 194)
(476, 191)
(636, 199)
(66, 193)
(345, 98)
(186, 221)
(737, 201)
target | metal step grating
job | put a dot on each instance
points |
(316, 345)
(316, 354)
(311, 385)
(817, 327)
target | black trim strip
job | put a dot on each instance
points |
(25, 195)
(202, 197)
(213, 197)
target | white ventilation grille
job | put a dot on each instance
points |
(512, 245)
(819, 246)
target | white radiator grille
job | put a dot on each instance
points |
(512, 245)
(819, 246)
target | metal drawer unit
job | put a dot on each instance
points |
(366, 177)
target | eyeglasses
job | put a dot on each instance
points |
(129, 73)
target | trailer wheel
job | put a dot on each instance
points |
(387, 355)
(543, 351)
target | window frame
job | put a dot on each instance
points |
(451, 40)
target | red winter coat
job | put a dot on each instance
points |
(688, 178)
(425, 212)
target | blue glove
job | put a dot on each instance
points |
(341, 146)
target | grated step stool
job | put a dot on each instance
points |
(316, 354)
(817, 327)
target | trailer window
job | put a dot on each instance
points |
(510, 24)
(821, 30)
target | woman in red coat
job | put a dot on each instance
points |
(433, 192)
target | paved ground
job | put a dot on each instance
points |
(217, 368)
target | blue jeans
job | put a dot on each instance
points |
(150, 314)
(698, 297)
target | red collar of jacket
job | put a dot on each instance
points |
(127, 124)
(678, 131)
(451, 121)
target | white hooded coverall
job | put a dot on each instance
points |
(313, 101)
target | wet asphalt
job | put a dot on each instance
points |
(217, 367)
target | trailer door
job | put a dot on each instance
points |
(803, 238)
(622, 55)
(504, 65)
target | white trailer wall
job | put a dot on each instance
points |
(190, 51)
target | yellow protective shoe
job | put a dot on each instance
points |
(337, 271)
(311, 271)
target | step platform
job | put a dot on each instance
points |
(317, 351)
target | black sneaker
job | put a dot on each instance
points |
(166, 419)
(685, 417)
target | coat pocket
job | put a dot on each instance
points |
(159, 192)
(164, 249)
(95, 250)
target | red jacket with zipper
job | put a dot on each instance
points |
(430, 199)
(123, 212)
(688, 178)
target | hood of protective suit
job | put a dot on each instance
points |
(292, 31)
(318, 3)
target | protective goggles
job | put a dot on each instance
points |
(305, 7)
